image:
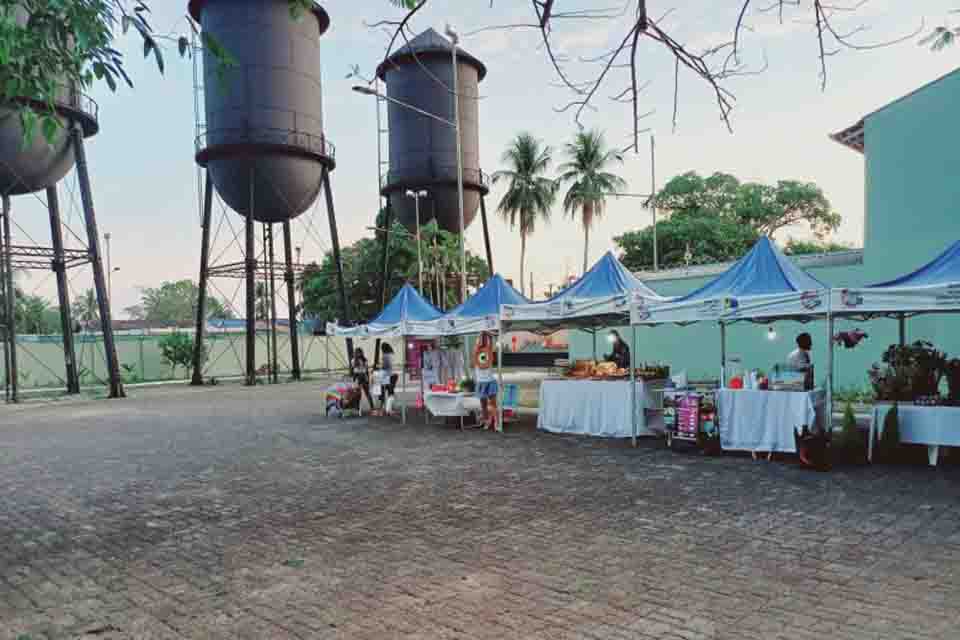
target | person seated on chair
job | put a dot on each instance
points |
(486, 383)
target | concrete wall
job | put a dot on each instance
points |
(913, 213)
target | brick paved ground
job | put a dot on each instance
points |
(230, 513)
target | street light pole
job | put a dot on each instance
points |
(106, 237)
(455, 39)
(416, 195)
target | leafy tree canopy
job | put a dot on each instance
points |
(717, 218)
(174, 303)
(361, 265)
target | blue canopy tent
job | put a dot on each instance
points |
(406, 308)
(479, 313)
(762, 286)
(395, 321)
(600, 297)
(933, 288)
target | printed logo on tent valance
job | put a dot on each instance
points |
(950, 296)
(810, 300)
(850, 298)
(715, 307)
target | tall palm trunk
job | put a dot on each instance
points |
(523, 255)
(587, 223)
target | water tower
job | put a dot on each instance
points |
(423, 150)
(38, 166)
(262, 143)
(421, 104)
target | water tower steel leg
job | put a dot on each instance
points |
(99, 278)
(11, 329)
(335, 241)
(198, 341)
(291, 301)
(63, 296)
(3, 310)
(486, 235)
(263, 307)
(251, 267)
(273, 306)
(384, 267)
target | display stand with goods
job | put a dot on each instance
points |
(690, 420)
(951, 370)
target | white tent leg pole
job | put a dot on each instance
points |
(403, 382)
(633, 382)
(594, 345)
(723, 355)
(829, 425)
(500, 393)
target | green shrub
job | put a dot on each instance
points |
(850, 444)
(176, 350)
(889, 440)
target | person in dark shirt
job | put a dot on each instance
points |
(361, 374)
(621, 352)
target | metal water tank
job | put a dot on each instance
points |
(38, 165)
(264, 119)
(423, 151)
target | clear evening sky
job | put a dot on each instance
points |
(144, 177)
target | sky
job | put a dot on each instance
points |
(145, 180)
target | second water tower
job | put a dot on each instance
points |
(423, 150)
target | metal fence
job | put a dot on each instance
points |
(41, 358)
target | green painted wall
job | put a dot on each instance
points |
(913, 212)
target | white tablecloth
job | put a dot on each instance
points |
(592, 407)
(932, 426)
(765, 420)
(441, 403)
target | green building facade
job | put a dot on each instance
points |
(912, 181)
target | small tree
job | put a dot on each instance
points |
(850, 443)
(890, 438)
(176, 350)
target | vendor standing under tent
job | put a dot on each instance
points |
(621, 352)
(486, 382)
(799, 359)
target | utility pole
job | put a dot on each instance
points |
(653, 199)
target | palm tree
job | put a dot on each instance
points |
(591, 183)
(529, 195)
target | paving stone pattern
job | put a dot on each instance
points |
(237, 513)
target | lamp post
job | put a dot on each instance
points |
(455, 123)
(416, 195)
(455, 39)
(110, 269)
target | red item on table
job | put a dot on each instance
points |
(736, 382)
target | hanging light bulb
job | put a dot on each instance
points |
(771, 334)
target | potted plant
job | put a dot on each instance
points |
(813, 446)
(928, 366)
